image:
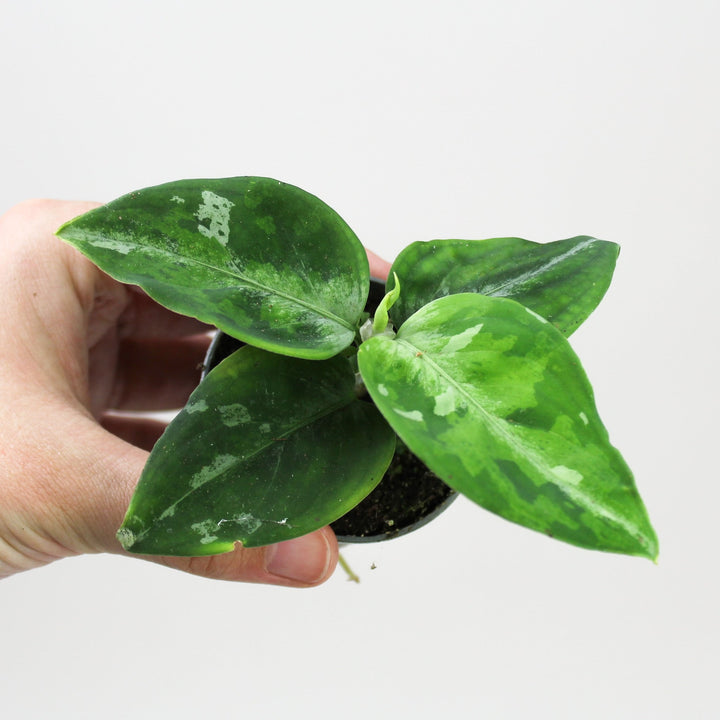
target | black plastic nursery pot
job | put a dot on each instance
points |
(408, 496)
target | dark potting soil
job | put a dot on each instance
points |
(408, 496)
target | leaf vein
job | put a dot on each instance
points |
(288, 431)
(500, 429)
(515, 284)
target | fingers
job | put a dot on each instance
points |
(157, 375)
(144, 318)
(379, 268)
(138, 431)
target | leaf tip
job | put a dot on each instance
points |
(654, 551)
(649, 545)
(61, 230)
(126, 537)
(68, 225)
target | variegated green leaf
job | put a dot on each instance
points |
(262, 260)
(563, 281)
(268, 448)
(493, 399)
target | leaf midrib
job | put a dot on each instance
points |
(248, 281)
(499, 427)
(517, 283)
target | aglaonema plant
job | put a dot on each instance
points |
(466, 360)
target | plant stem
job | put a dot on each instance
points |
(348, 570)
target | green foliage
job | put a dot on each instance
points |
(264, 261)
(479, 380)
(267, 448)
(493, 399)
(563, 280)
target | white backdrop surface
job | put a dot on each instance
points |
(414, 120)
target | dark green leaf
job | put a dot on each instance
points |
(268, 448)
(262, 260)
(492, 398)
(563, 281)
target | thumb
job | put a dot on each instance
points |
(303, 562)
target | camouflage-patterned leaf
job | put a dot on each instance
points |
(262, 260)
(492, 398)
(268, 448)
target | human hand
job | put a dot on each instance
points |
(76, 348)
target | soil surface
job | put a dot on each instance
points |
(408, 496)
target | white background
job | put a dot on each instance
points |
(414, 120)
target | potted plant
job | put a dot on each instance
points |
(465, 360)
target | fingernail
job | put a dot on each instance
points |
(304, 559)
